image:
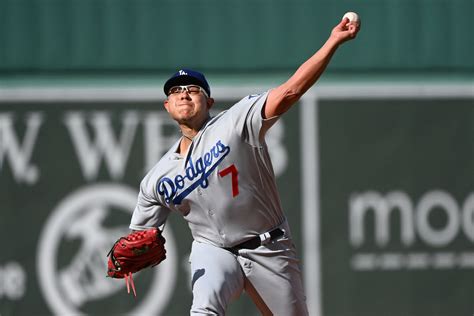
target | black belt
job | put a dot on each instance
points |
(257, 241)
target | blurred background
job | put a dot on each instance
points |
(375, 164)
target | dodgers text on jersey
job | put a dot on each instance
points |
(200, 169)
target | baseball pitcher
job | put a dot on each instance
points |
(219, 177)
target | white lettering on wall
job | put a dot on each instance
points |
(414, 222)
(12, 281)
(18, 152)
(437, 237)
(360, 204)
(101, 143)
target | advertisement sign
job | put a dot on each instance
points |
(397, 206)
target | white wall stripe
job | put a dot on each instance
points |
(310, 221)
(332, 91)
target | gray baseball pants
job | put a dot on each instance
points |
(270, 275)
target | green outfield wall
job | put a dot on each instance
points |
(152, 36)
(376, 182)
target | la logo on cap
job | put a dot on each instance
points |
(182, 72)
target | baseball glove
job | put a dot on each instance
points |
(134, 252)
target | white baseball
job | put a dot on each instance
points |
(352, 16)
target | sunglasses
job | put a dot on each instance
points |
(190, 89)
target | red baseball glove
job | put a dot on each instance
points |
(134, 252)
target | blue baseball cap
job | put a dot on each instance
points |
(185, 77)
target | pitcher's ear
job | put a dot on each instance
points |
(210, 103)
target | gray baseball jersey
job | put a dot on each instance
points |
(224, 186)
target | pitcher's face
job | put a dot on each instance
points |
(188, 104)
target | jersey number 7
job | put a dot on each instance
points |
(235, 178)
